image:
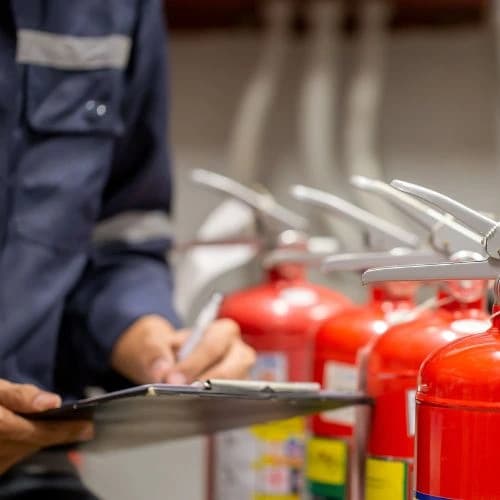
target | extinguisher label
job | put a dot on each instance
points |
(280, 461)
(262, 462)
(411, 405)
(386, 479)
(340, 377)
(327, 463)
(271, 367)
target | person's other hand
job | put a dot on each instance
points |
(20, 437)
(146, 353)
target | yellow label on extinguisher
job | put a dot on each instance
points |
(327, 461)
(262, 462)
(280, 431)
(279, 460)
(386, 479)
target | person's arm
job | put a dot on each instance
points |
(124, 300)
(20, 437)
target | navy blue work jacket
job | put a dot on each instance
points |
(84, 184)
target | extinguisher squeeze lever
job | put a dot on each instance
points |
(392, 235)
(446, 234)
(486, 268)
(481, 224)
(263, 203)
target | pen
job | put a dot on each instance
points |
(206, 316)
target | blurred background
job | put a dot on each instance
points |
(313, 91)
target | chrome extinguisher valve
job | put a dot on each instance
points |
(446, 234)
(483, 266)
(263, 203)
(390, 235)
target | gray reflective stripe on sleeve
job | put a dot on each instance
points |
(72, 52)
(134, 227)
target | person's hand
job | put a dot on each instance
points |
(146, 353)
(20, 437)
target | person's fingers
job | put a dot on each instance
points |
(64, 432)
(11, 453)
(180, 337)
(40, 434)
(20, 437)
(144, 352)
(37, 436)
(213, 347)
(236, 365)
(161, 368)
(26, 398)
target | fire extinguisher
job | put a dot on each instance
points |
(340, 338)
(279, 318)
(458, 409)
(392, 368)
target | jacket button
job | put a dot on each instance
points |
(95, 110)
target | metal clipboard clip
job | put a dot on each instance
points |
(251, 386)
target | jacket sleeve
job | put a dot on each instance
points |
(127, 275)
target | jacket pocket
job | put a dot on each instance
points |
(72, 121)
(75, 62)
(74, 102)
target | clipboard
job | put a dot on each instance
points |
(156, 413)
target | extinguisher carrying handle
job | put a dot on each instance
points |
(486, 227)
(480, 268)
(392, 235)
(365, 260)
(487, 269)
(446, 234)
(263, 203)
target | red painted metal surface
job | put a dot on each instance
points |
(279, 318)
(341, 337)
(337, 346)
(283, 315)
(458, 419)
(392, 370)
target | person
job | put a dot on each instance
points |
(20, 437)
(85, 197)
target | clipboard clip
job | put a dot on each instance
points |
(243, 387)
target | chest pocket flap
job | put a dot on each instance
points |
(74, 84)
